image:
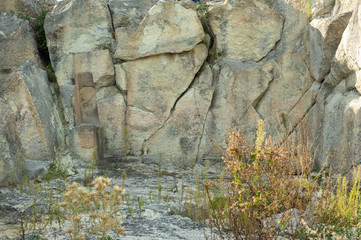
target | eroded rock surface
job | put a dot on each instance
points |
(37, 118)
(241, 32)
(17, 44)
(77, 26)
(168, 27)
(129, 13)
(154, 85)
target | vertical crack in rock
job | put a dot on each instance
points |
(254, 104)
(204, 126)
(173, 108)
(299, 122)
(111, 17)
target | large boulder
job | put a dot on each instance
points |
(17, 44)
(325, 36)
(77, 26)
(129, 13)
(348, 55)
(154, 85)
(37, 117)
(12, 164)
(240, 29)
(168, 27)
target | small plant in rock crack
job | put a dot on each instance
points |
(98, 207)
(202, 10)
(215, 54)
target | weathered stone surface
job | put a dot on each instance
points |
(25, 6)
(45, 5)
(120, 78)
(129, 13)
(341, 135)
(342, 6)
(86, 144)
(326, 34)
(106, 92)
(180, 135)
(237, 92)
(154, 85)
(240, 29)
(37, 118)
(77, 26)
(168, 27)
(12, 154)
(348, 54)
(99, 63)
(295, 22)
(303, 106)
(84, 100)
(112, 118)
(292, 80)
(17, 44)
(321, 7)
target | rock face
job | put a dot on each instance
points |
(17, 44)
(77, 26)
(12, 164)
(168, 27)
(241, 31)
(37, 119)
(26, 6)
(154, 86)
(129, 13)
(325, 36)
(237, 92)
(180, 139)
(141, 78)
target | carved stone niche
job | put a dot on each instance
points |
(84, 100)
(87, 132)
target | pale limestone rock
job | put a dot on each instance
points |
(86, 144)
(37, 118)
(99, 63)
(348, 55)
(12, 165)
(111, 112)
(245, 30)
(77, 26)
(168, 27)
(17, 44)
(321, 7)
(342, 6)
(106, 92)
(180, 135)
(295, 22)
(341, 130)
(237, 92)
(358, 81)
(303, 106)
(120, 78)
(326, 34)
(292, 80)
(154, 84)
(129, 13)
